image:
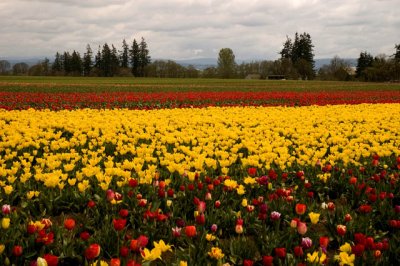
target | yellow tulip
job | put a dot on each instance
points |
(316, 257)
(314, 217)
(216, 253)
(5, 223)
(2, 248)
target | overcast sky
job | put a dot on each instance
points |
(183, 29)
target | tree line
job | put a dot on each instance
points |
(296, 62)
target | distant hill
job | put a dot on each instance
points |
(198, 63)
(326, 61)
(202, 63)
(30, 61)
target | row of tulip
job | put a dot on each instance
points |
(157, 100)
(294, 186)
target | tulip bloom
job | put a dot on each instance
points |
(306, 242)
(323, 242)
(92, 252)
(216, 253)
(51, 259)
(275, 216)
(314, 217)
(280, 252)
(298, 251)
(341, 229)
(69, 224)
(190, 231)
(17, 251)
(300, 208)
(5, 223)
(6, 209)
(301, 228)
(267, 260)
(119, 224)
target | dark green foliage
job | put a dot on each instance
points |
(363, 62)
(300, 54)
(226, 63)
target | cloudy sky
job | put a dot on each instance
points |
(183, 29)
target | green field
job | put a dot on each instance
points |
(98, 84)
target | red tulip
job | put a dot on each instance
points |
(200, 219)
(300, 208)
(201, 207)
(124, 252)
(358, 250)
(324, 241)
(247, 262)
(31, 229)
(51, 259)
(280, 252)
(365, 208)
(69, 224)
(190, 231)
(47, 223)
(298, 251)
(110, 194)
(115, 262)
(84, 235)
(92, 252)
(123, 213)
(119, 224)
(91, 204)
(252, 171)
(17, 251)
(341, 229)
(267, 260)
(133, 183)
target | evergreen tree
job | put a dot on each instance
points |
(144, 57)
(363, 62)
(114, 61)
(97, 59)
(87, 61)
(124, 57)
(76, 64)
(397, 53)
(106, 61)
(57, 66)
(134, 58)
(286, 52)
(66, 62)
(300, 52)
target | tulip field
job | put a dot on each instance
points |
(198, 172)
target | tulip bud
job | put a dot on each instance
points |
(110, 195)
(341, 229)
(6, 209)
(275, 216)
(306, 242)
(347, 217)
(214, 228)
(17, 251)
(239, 229)
(301, 228)
(5, 223)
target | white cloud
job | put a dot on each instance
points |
(186, 29)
